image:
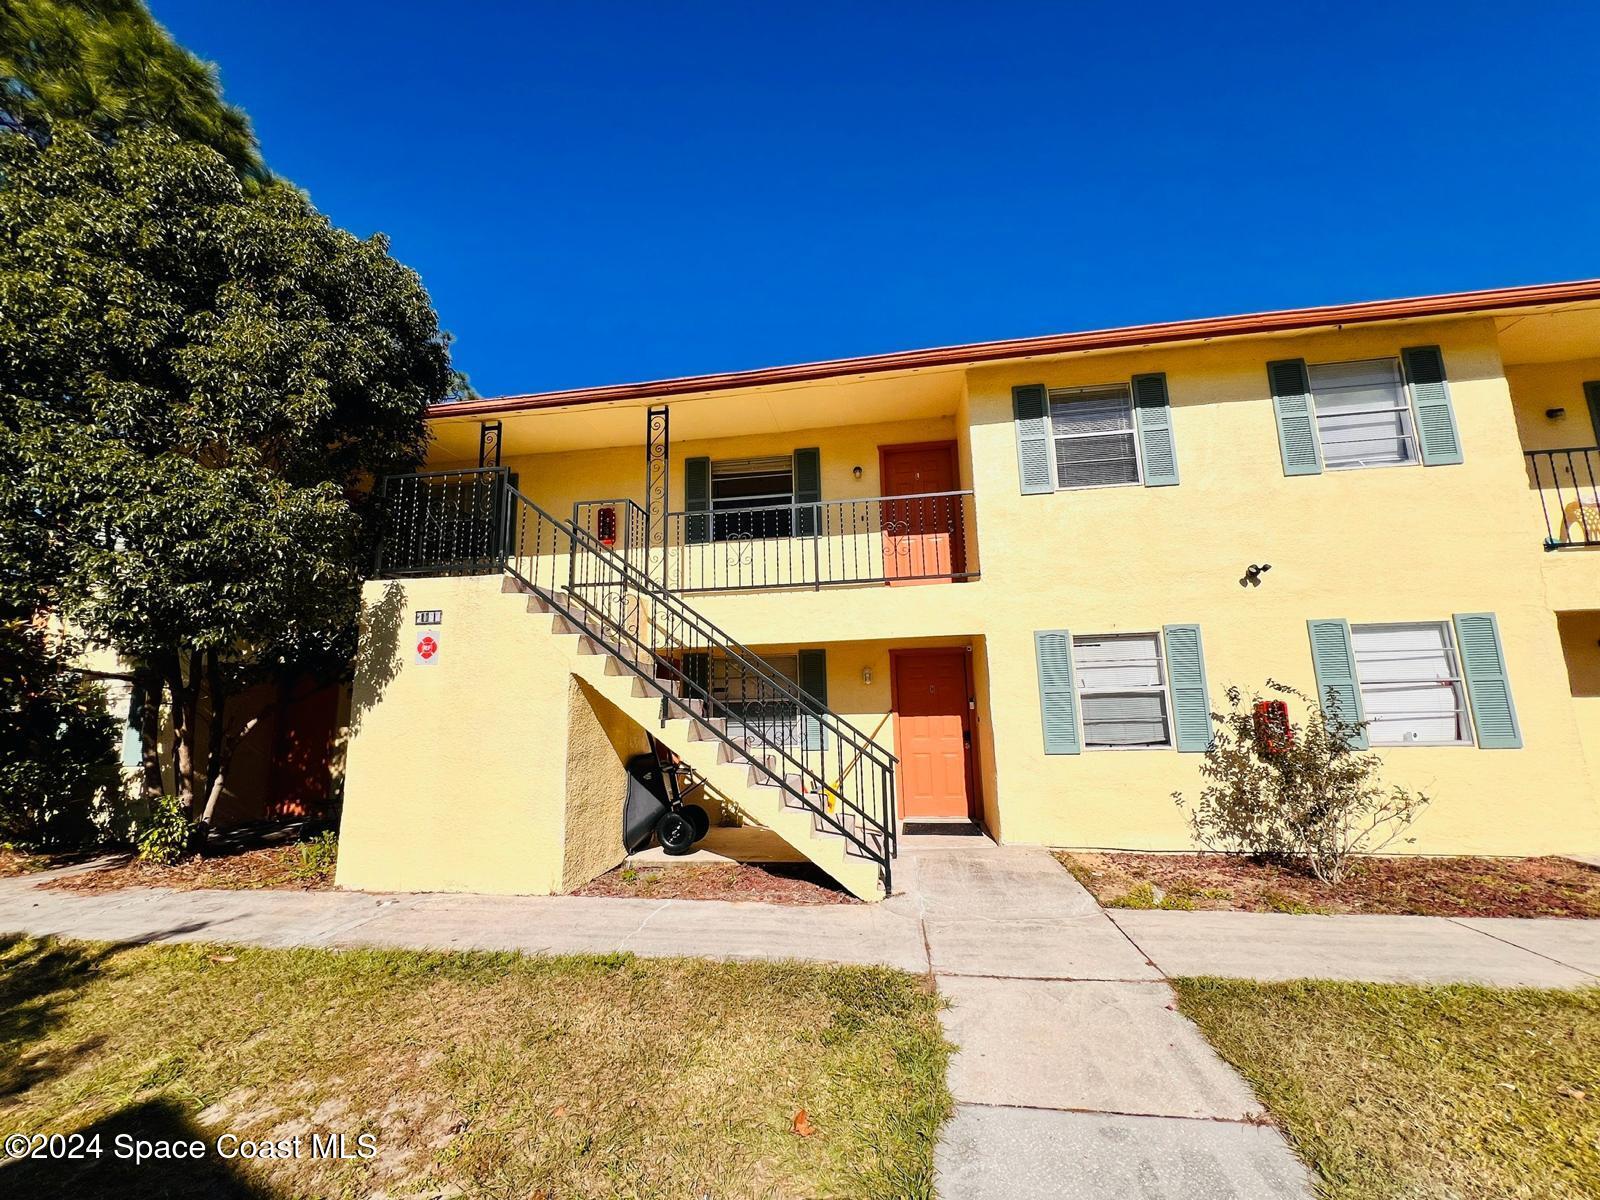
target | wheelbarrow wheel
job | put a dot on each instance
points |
(676, 832)
(699, 818)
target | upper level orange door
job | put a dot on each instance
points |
(922, 534)
(933, 724)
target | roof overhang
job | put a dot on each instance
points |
(1451, 304)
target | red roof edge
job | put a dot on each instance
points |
(1285, 320)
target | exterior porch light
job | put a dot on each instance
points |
(866, 672)
(856, 471)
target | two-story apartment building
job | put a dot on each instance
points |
(1004, 583)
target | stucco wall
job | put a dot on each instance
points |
(458, 771)
(1397, 544)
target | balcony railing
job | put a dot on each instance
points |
(1568, 483)
(885, 539)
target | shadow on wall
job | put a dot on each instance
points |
(378, 656)
(108, 1177)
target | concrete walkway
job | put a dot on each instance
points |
(1075, 1075)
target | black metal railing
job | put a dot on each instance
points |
(442, 522)
(595, 571)
(1566, 480)
(883, 539)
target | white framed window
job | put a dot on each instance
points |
(752, 498)
(1122, 691)
(1410, 679)
(1092, 432)
(1363, 414)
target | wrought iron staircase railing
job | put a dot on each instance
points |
(600, 580)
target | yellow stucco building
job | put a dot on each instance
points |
(1002, 583)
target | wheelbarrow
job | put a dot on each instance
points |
(657, 786)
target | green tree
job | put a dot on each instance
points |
(200, 380)
(107, 65)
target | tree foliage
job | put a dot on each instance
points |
(1299, 793)
(200, 379)
(107, 66)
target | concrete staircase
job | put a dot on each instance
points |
(739, 769)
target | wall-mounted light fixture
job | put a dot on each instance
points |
(1555, 413)
(856, 471)
(866, 674)
(1253, 573)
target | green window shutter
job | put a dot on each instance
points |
(1030, 406)
(1591, 392)
(813, 681)
(1152, 416)
(1483, 664)
(1430, 400)
(1334, 660)
(807, 491)
(697, 500)
(1191, 698)
(133, 729)
(696, 669)
(1297, 419)
(1058, 692)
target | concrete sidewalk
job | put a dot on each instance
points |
(1496, 952)
(1075, 1074)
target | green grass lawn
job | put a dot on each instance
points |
(1427, 1093)
(480, 1074)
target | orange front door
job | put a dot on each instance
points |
(922, 534)
(934, 732)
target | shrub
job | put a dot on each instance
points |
(318, 856)
(60, 783)
(1304, 797)
(167, 834)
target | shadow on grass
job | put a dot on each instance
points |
(40, 978)
(109, 1177)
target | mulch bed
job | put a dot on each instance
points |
(1438, 887)
(16, 862)
(769, 883)
(272, 867)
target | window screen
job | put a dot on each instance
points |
(1411, 684)
(1121, 690)
(1363, 414)
(1093, 433)
(752, 498)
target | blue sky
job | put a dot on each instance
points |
(601, 192)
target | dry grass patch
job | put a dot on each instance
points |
(1444, 887)
(1426, 1093)
(480, 1074)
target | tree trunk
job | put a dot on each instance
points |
(184, 731)
(218, 702)
(224, 756)
(151, 787)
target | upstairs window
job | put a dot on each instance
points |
(1363, 414)
(1410, 680)
(1092, 430)
(752, 498)
(1122, 691)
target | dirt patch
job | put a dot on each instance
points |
(1435, 887)
(290, 868)
(769, 883)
